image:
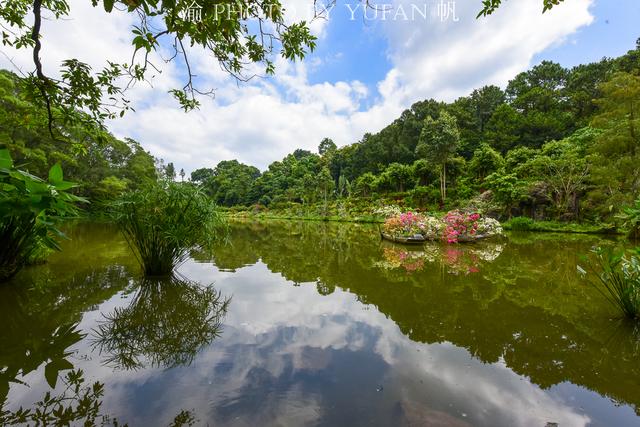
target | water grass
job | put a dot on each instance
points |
(163, 222)
(618, 278)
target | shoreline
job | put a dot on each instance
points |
(535, 226)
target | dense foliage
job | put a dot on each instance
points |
(30, 211)
(164, 221)
(555, 144)
(102, 165)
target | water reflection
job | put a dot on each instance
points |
(168, 321)
(320, 333)
(40, 315)
(77, 404)
(455, 259)
(519, 303)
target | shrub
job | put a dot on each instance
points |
(489, 227)
(460, 226)
(30, 211)
(631, 217)
(618, 279)
(521, 223)
(164, 221)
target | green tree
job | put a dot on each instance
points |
(485, 161)
(439, 140)
(562, 166)
(170, 171)
(399, 176)
(365, 184)
(202, 175)
(539, 95)
(327, 147)
(503, 128)
(508, 190)
(616, 151)
(325, 186)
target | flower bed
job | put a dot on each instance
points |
(406, 224)
(454, 227)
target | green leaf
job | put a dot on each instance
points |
(108, 5)
(55, 174)
(5, 159)
(53, 368)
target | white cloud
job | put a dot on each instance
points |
(447, 60)
(263, 120)
(285, 332)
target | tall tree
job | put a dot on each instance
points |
(327, 146)
(616, 152)
(438, 142)
(170, 171)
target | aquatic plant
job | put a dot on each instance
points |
(30, 212)
(618, 278)
(631, 218)
(164, 221)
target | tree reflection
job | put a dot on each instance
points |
(40, 318)
(78, 403)
(166, 324)
(519, 301)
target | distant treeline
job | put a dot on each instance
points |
(557, 142)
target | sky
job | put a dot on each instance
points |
(367, 68)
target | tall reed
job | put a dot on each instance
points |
(164, 221)
(618, 278)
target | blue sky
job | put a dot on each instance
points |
(361, 77)
(359, 50)
(614, 32)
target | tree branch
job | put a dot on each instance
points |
(42, 79)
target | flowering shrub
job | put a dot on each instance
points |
(454, 227)
(388, 211)
(433, 227)
(489, 227)
(460, 226)
(406, 224)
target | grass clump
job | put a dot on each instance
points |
(521, 223)
(163, 222)
(618, 278)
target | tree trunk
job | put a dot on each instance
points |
(444, 182)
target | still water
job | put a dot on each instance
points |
(301, 323)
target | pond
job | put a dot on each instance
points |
(306, 323)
